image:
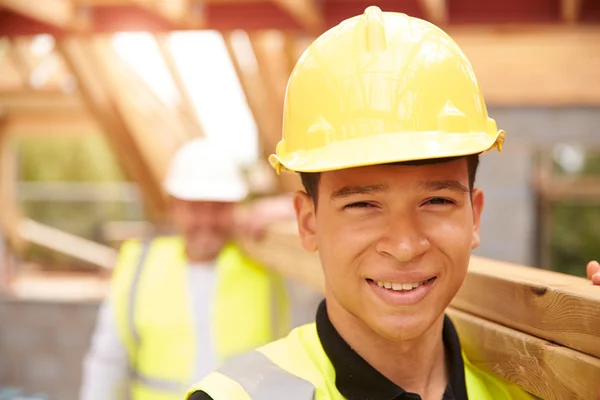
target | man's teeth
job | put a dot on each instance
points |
(400, 286)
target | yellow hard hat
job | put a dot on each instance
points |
(379, 88)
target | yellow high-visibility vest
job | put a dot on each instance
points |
(298, 368)
(152, 306)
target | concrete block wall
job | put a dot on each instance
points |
(509, 217)
(42, 345)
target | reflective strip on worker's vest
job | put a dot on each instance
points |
(133, 291)
(262, 379)
(159, 384)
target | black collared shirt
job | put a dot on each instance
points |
(357, 380)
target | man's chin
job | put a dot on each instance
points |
(403, 327)
(205, 250)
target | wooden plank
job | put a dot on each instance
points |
(273, 68)
(146, 115)
(252, 84)
(179, 13)
(274, 72)
(534, 67)
(187, 108)
(80, 55)
(549, 371)
(58, 13)
(66, 243)
(291, 51)
(46, 112)
(435, 11)
(545, 303)
(24, 100)
(539, 302)
(78, 191)
(280, 249)
(570, 10)
(306, 12)
(51, 123)
(260, 102)
(20, 61)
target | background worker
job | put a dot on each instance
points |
(180, 305)
(384, 121)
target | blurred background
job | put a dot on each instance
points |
(96, 95)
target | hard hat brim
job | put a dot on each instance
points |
(386, 148)
(221, 193)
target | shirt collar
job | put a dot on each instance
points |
(356, 379)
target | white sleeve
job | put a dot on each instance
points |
(105, 369)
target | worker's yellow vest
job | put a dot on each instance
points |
(151, 301)
(298, 368)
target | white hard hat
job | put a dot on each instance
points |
(202, 171)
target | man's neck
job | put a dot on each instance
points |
(417, 365)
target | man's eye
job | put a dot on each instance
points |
(438, 201)
(358, 205)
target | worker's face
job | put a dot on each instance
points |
(205, 225)
(401, 225)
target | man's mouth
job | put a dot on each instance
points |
(401, 287)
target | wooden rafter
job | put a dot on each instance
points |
(436, 11)
(254, 91)
(306, 12)
(85, 62)
(291, 50)
(274, 72)
(46, 112)
(260, 104)
(177, 12)
(20, 61)
(187, 108)
(58, 13)
(147, 115)
(51, 123)
(570, 10)
(273, 69)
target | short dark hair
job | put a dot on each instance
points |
(310, 180)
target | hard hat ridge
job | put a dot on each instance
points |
(382, 87)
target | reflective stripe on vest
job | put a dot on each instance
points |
(298, 368)
(158, 330)
(133, 291)
(262, 379)
(154, 383)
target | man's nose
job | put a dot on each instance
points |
(403, 239)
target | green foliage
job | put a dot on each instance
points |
(575, 237)
(85, 159)
(67, 159)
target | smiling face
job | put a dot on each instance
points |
(205, 225)
(394, 242)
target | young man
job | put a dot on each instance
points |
(385, 121)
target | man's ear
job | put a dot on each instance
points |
(477, 200)
(306, 219)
